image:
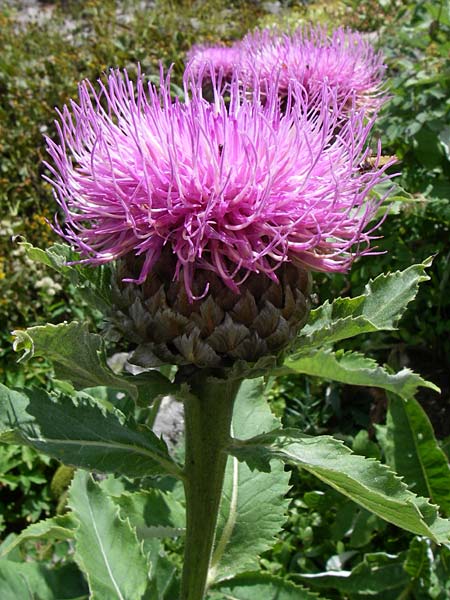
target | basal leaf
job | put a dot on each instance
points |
(415, 452)
(80, 433)
(32, 581)
(366, 481)
(250, 586)
(106, 547)
(380, 307)
(77, 355)
(253, 505)
(57, 528)
(356, 369)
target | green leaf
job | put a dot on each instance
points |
(94, 282)
(415, 452)
(380, 307)
(364, 527)
(164, 584)
(418, 560)
(363, 480)
(80, 433)
(440, 575)
(152, 385)
(253, 505)
(250, 586)
(362, 444)
(57, 528)
(252, 414)
(376, 573)
(153, 513)
(13, 415)
(41, 256)
(107, 549)
(445, 446)
(355, 369)
(32, 581)
(78, 355)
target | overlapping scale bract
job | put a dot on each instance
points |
(162, 325)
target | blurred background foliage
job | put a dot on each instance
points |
(46, 49)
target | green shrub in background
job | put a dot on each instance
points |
(417, 128)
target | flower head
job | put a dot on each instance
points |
(221, 61)
(344, 60)
(231, 189)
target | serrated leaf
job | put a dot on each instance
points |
(57, 528)
(415, 452)
(56, 256)
(153, 513)
(106, 547)
(31, 581)
(253, 505)
(94, 282)
(354, 368)
(376, 573)
(77, 355)
(365, 481)
(250, 586)
(82, 434)
(380, 307)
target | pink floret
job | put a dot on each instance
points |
(344, 60)
(221, 60)
(231, 188)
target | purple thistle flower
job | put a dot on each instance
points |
(220, 60)
(344, 60)
(230, 189)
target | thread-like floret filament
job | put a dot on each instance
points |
(232, 186)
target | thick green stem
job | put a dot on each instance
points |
(207, 412)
